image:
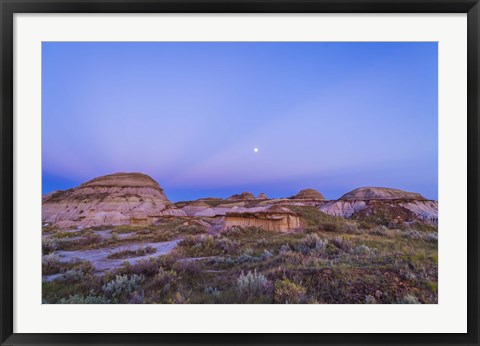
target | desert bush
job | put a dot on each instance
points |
(291, 258)
(350, 227)
(164, 280)
(114, 237)
(246, 258)
(122, 286)
(379, 230)
(284, 248)
(266, 254)
(221, 261)
(49, 245)
(409, 299)
(178, 298)
(431, 236)
(226, 245)
(312, 243)
(90, 299)
(288, 292)
(213, 291)
(136, 298)
(362, 250)
(144, 266)
(73, 275)
(412, 234)
(51, 264)
(141, 251)
(188, 266)
(251, 285)
(342, 243)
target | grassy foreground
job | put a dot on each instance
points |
(331, 261)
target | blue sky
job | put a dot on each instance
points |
(330, 116)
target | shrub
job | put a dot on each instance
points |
(49, 245)
(178, 298)
(164, 280)
(213, 291)
(284, 248)
(350, 227)
(50, 264)
(266, 254)
(409, 299)
(342, 243)
(431, 236)
(188, 266)
(141, 251)
(312, 242)
(144, 266)
(379, 230)
(136, 298)
(413, 234)
(251, 285)
(288, 292)
(246, 258)
(73, 275)
(90, 299)
(369, 299)
(122, 286)
(362, 250)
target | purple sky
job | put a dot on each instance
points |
(331, 116)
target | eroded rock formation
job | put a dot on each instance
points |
(380, 203)
(114, 199)
(274, 218)
(309, 194)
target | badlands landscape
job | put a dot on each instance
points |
(119, 239)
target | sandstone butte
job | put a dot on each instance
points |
(309, 194)
(274, 218)
(115, 199)
(135, 198)
(401, 205)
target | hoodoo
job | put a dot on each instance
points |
(274, 218)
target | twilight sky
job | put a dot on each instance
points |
(330, 116)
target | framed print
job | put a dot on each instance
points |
(239, 172)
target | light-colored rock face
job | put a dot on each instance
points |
(381, 193)
(275, 219)
(114, 199)
(309, 194)
(399, 205)
(426, 210)
(408, 210)
(343, 208)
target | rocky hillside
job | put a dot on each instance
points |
(114, 199)
(380, 193)
(383, 205)
(309, 194)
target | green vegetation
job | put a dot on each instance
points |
(332, 260)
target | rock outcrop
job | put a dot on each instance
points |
(274, 218)
(309, 194)
(381, 193)
(381, 204)
(244, 196)
(115, 199)
(262, 196)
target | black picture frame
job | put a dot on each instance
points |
(9, 7)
